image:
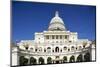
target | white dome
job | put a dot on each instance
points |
(56, 23)
(56, 19)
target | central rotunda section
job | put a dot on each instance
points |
(56, 23)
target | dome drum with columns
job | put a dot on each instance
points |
(56, 45)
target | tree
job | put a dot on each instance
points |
(49, 60)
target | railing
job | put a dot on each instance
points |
(66, 43)
(54, 53)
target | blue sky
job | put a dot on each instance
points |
(30, 17)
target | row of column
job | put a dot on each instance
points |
(56, 36)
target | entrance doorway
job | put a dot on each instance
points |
(57, 62)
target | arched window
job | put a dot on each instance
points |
(72, 59)
(44, 50)
(79, 58)
(80, 47)
(35, 49)
(70, 41)
(26, 46)
(65, 48)
(41, 60)
(23, 61)
(64, 59)
(60, 41)
(49, 60)
(40, 49)
(48, 49)
(68, 49)
(87, 57)
(31, 49)
(33, 61)
(72, 48)
(76, 48)
(56, 41)
(57, 49)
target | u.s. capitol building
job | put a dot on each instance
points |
(56, 45)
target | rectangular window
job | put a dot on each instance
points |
(60, 37)
(66, 36)
(52, 36)
(56, 36)
(47, 37)
(57, 57)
